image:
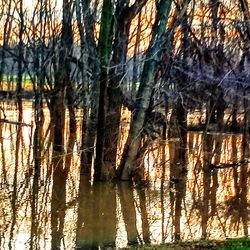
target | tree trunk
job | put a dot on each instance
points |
(135, 59)
(62, 79)
(124, 15)
(92, 85)
(67, 45)
(20, 60)
(6, 35)
(153, 57)
(104, 54)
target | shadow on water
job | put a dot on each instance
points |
(200, 190)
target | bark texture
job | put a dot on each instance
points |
(153, 57)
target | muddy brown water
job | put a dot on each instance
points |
(45, 204)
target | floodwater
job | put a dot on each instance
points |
(45, 204)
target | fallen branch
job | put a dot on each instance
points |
(15, 123)
(228, 165)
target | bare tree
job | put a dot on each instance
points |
(153, 57)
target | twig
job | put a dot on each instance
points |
(15, 123)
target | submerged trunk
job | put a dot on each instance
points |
(104, 54)
(124, 15)
(62, 81)
(92, 85)
(145, 90)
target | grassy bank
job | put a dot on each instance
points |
(242, 243)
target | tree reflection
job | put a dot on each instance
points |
(61, 168)
(126, 196)
(14, 197)
(37, 153)
(3, 158)
(178, 179)
(214, 173)
(144, 215)
(237, 207)
(208, 155)
(207, 196)
(96, 224)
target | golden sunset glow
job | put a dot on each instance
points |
(124, 123)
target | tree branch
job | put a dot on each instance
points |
(130, 12)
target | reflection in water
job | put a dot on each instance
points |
(96, 225)
(144, 216)
(196, 192)
(37, 155)
(207, 176)
(128, 211)
(178, 176)
(14, 198)
(61, 168)
(238, 205)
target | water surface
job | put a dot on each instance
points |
(46, 204)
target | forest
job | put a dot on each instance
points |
(123, 93)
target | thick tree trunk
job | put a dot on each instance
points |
(235, 125)
(67, 45)
(114, 97)
(62, 80)
(89, 132)
(144, 93)
(70, 104)
(124, 15)
(221, 106)
(210, 110)
(91, 85)
(110, 89)
(104, 54)
(58, 117)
